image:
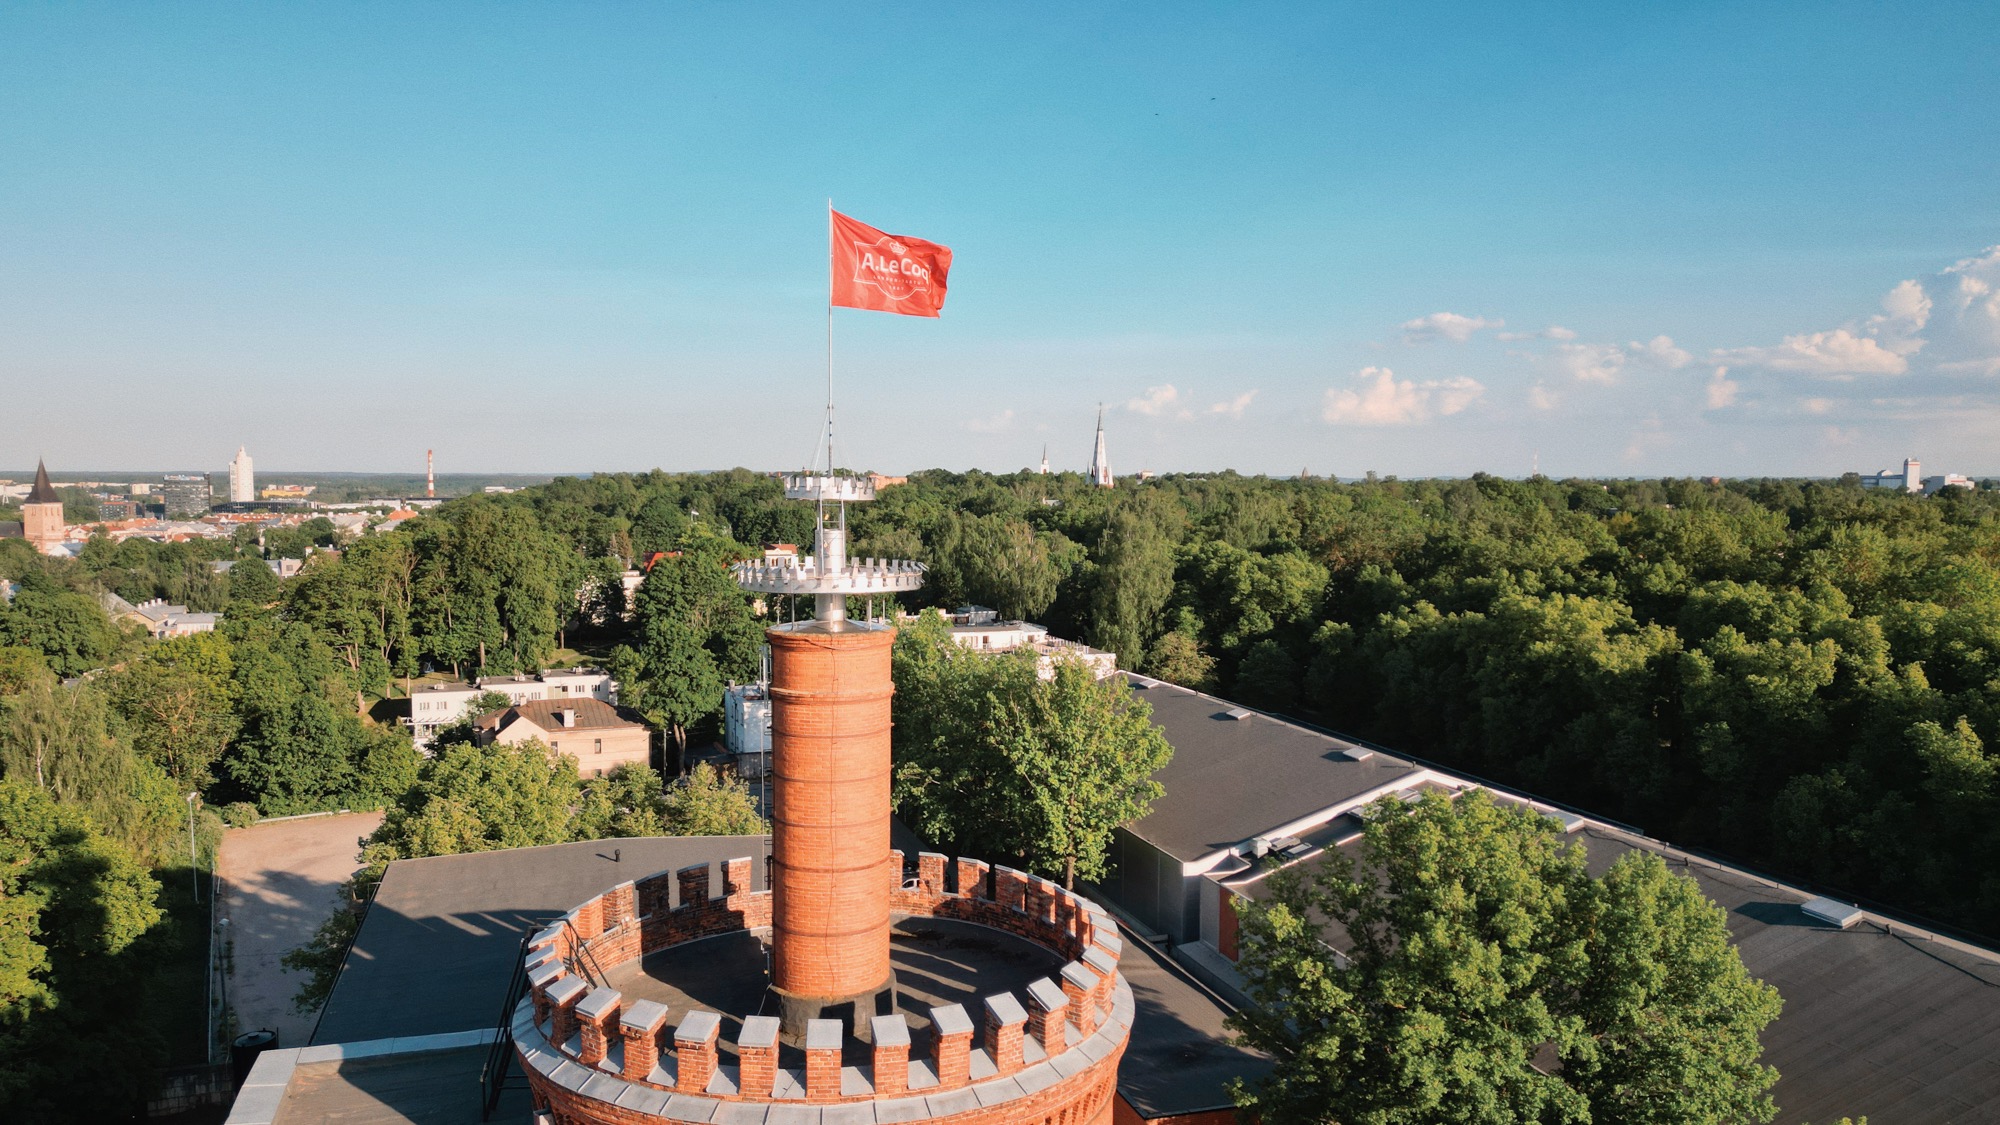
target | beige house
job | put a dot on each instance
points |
(589, 730)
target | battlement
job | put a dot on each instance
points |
(1050, 1038)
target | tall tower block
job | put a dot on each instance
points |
(830, 690)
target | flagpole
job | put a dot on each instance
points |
(829, 336)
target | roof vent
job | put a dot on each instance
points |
(1238, 713)
(1356, 753)
(1569, 820)
(1834, 913)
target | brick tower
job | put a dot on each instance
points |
(830, 691)
(860, 972)
(42, 523)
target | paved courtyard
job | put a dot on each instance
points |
(283, 878)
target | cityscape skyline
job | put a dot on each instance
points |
(1419, 243)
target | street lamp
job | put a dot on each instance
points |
(194, 861)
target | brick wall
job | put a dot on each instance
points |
(670, 908)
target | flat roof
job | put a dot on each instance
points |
(1881, 1018)
(1179, 1059)
(1232, 779)
(435, 950)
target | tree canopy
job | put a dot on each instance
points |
(996, 760)
(1464, 966)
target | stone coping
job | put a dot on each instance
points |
(922, 1098)
(570, 1028)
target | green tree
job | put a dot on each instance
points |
(480, 798)
(1085, 752)
(251, 583)
(74, 906)
(1268, 677)
(180, 706)
(1178, 659)
(628, 801)
(1471, 942)
(696, 635)
(66, 742)
(69, 629)
(1132, 580)
(706, 803)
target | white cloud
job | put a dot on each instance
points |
(993, 425)
(1445, 326)
(1590, 363)
(1660, 352)
(1542, 398)
(1165, 400)
(1965, 331)
(1235, 406)
(1650, 437)
(1838, 352)
(1952, 317)
(1905, 311)
(1552, 332)
(1383, 400)
(1721, 389)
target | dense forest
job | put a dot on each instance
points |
(1799, 674)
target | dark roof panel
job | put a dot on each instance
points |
(1233, 778)
(43, 492)
(434, 952)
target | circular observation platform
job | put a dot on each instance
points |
(647, 1003)
(854, 577)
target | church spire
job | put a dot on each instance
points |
(1100, 459)
(43, 492)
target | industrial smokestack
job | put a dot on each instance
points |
(430, 476)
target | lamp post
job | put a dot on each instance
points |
(194, 861)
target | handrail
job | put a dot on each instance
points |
(500, 1054)
(582, 960)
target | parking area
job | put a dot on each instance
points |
(282, 880)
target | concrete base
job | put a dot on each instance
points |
(856, 1013)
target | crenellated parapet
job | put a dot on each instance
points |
(1049, 1050)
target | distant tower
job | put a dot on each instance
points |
(242, 478)
(430, 476)
(1100, 460)
(1913, 475)
(42, 522)
(1045, 460)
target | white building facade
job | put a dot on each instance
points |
(435, 706)
(746, 727)
(242, 478)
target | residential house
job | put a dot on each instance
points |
(595, 733)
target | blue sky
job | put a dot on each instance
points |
(1410, 239)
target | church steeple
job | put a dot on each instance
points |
(1100, 459)
(43, 492)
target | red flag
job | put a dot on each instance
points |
(886, 272)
